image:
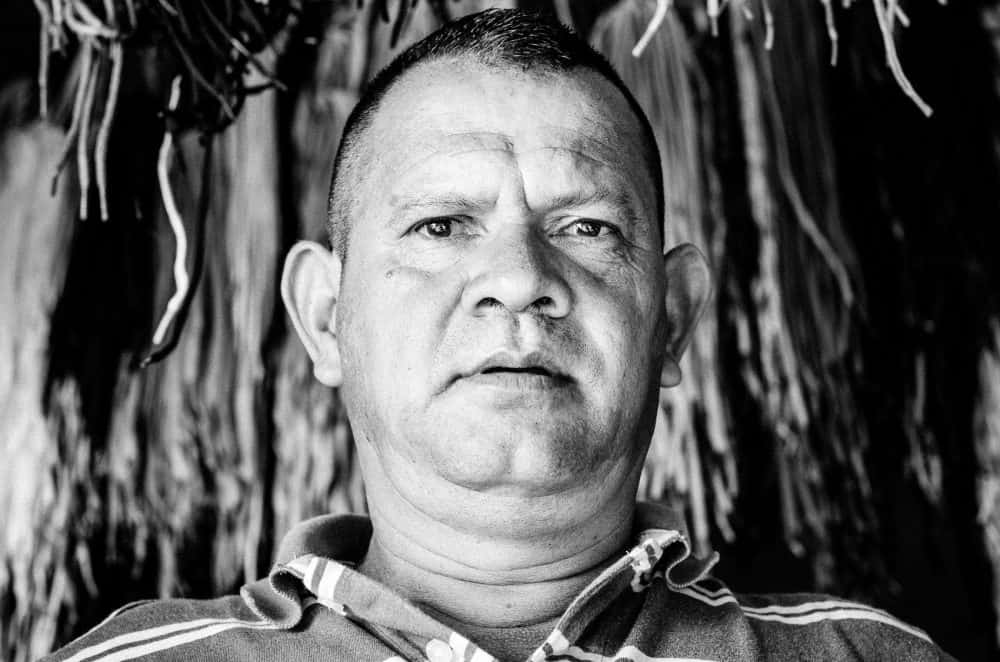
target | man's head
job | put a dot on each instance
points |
(506, 315)
(496, 39)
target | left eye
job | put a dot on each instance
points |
(585, 228)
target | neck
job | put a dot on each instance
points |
(502, 562)
(466, 590)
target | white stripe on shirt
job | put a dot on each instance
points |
(328, 582)
(630, 653)
(833, 610)
(152, 633)
(176, 640)
(789, 609)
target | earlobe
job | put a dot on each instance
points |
(670, 375)
(310, 287)
(687, 294)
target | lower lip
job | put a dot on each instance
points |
(517, 381)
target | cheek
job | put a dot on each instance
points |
(392, 323)
(627, 305)
(626, 342)
(388, 326)
(626, 333)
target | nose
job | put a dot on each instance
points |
(517, 270)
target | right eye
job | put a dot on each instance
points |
(436, 228)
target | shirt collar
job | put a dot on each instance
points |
(315, 563)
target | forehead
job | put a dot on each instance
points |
(443, 113)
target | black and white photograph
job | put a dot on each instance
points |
(467, 331)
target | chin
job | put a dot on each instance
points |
(525, 486)
(520, 460)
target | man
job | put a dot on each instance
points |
(499, 314)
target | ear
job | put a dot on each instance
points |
(310, 286)
(688, 290)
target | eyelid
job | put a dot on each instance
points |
(569, 221)
(455, 219)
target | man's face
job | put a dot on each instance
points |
(500, 316)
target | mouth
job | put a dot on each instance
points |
(528, 370)
(507, 371)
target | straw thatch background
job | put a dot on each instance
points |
(839, 424)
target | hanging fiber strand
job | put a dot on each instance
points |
(83, 65)
(885, 19)
(181, 279)
(101, 149)
(654, 24)
(83, 139)
(44, 47)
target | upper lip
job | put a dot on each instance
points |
(509, 360)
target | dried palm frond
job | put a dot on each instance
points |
(770, 363)
(202, 410)
(987, 446)
(798, 363)
(321, 111)
(32, 263)
(316, 467)
(253, 239)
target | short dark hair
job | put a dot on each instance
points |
(496, 38)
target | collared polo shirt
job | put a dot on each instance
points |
(655, 603)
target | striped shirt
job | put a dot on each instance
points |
(657, 603)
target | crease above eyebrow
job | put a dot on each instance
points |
(603, 194)
(593, 196)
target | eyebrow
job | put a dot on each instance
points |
(421, 201)
(429, 200)
(600, 195)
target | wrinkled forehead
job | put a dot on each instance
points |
(447, 109)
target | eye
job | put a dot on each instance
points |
(436, 228)
(589, 228)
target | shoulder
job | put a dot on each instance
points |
(802, 625)
(167, 630)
